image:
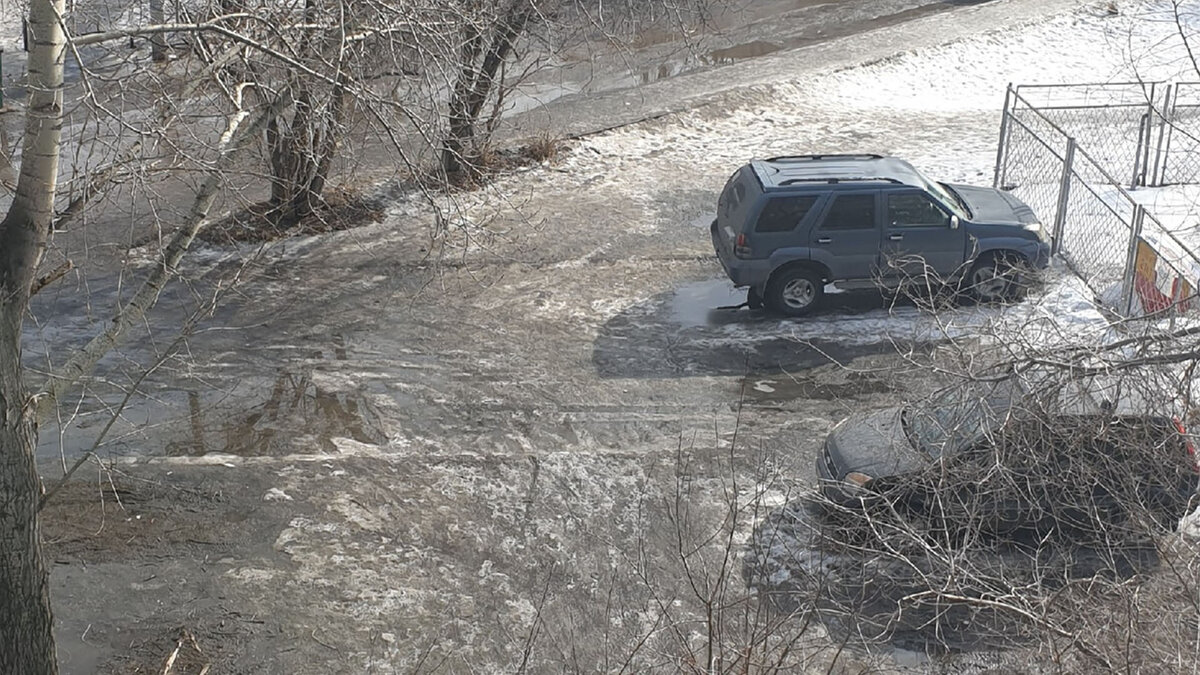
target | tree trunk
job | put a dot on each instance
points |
(26, 638)
(461, 126)
(158, 41)
(475, 84)
(301, 153)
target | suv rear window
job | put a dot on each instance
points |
(733, 194)
(783, 214)
(851, 212)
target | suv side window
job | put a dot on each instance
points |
(914, 209)
(783, 214)
(850, 212)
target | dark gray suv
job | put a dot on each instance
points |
(787, 226)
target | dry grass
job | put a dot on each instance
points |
(542, 148)
(490, 162)
(342, 210)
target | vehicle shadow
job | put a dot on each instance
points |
(698, 329)
(882, 589)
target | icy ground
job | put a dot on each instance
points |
(488, 462)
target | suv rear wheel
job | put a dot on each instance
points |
(794, 291)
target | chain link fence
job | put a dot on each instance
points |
(1111, 120)
(1133, 264)
(1034, 168)
(1178, 142)
(1095, 232)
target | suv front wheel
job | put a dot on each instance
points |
(997, 277)
(794, 291)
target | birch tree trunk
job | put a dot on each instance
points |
(26, 640)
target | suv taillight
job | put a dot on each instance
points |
(1187, 442)
(740, 249)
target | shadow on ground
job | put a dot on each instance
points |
(698, 329)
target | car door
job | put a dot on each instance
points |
(918, 239)
(846, 238)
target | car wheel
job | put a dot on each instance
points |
(997, 278)
(795, 291)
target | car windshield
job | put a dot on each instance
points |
(946, 195)
(957, 416)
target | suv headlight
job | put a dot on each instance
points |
(1038, 229)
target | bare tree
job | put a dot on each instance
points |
(26, 641)
(489, 38)
(1056, 468)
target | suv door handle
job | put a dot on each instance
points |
(823, 240)
(896, 237)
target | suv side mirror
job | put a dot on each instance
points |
(954, 222)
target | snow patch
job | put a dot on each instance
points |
(275, 494)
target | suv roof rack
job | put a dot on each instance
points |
(793, 158)
(835, 181)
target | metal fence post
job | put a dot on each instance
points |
(1002, 146)
(1135, 235)
(1064, 197)
(1, 78)
(1139, 166)
(1157, 170)
(1169, 124)
(1143, 176)
(1141, 156)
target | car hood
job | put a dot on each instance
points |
(995, 207)
(874, 444)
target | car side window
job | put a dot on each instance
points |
(850, 212)
(914, 209)
(783, 214)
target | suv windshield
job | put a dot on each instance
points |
(947, 196)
